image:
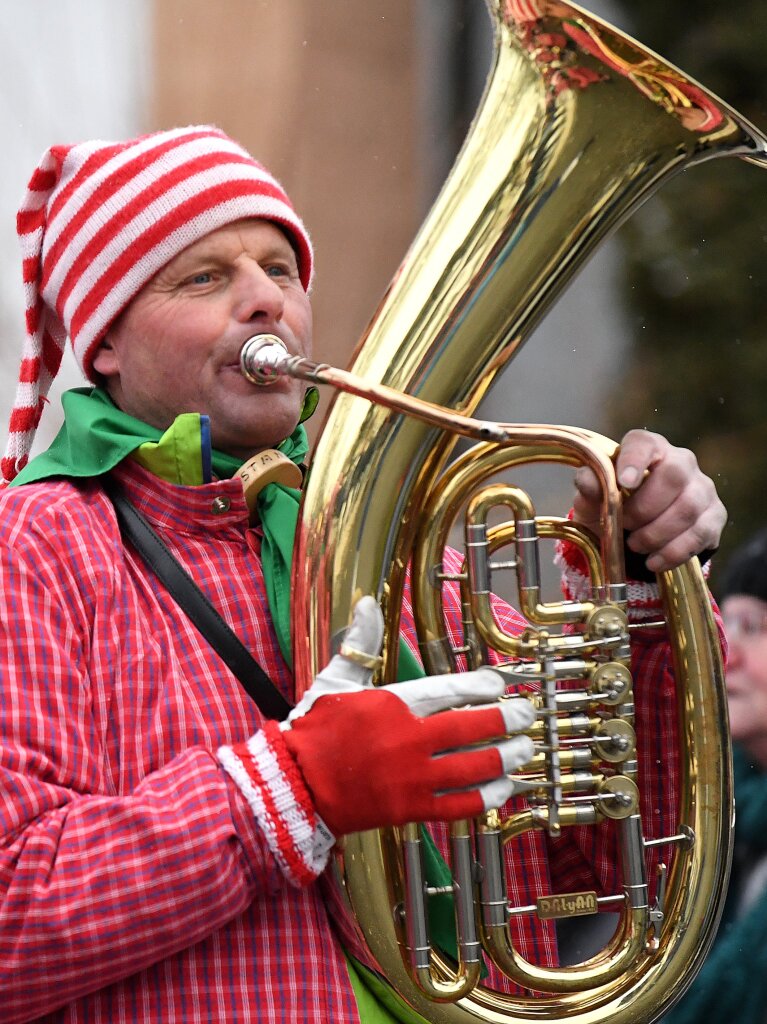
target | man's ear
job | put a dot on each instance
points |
(105, 360)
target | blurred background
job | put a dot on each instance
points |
(360, 109)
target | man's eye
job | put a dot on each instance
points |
(198, 279)
(286, 270)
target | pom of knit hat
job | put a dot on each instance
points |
(100, 219)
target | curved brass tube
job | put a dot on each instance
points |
(578, 125)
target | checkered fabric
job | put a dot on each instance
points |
(135, 882)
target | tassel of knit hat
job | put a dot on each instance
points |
(45, 334)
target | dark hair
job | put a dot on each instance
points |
(746, 571)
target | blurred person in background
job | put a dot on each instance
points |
(732, 985)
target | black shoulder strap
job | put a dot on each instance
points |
(189, 597)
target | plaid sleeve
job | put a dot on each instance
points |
(95, 883)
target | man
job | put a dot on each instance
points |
(160, 841)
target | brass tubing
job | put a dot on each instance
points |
(567, 444)
(388, 398)
(615, 960)
(580, 725)
(550, 168)
(449, 494)
(525, 537)
(605, 967)
(576, 757)
(416, 917)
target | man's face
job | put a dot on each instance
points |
(176, 347)
(745, 623)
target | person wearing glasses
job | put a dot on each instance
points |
(732, 985)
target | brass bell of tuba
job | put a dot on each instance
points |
(578, 125)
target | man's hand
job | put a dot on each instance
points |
(376, 757)
(351, 756)
(672, 512)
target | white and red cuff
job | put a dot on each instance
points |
(644, 602)
(267, 775)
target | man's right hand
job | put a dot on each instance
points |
(351, 757)
(372, 757)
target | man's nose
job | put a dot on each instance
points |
(258, 295)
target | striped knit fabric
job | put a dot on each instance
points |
(271, 782)
(644, 600)
(100, 219)
(521, 11)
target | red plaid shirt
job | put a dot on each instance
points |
(134, 883)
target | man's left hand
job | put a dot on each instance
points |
(672, 511)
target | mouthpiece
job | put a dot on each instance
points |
(261, 357)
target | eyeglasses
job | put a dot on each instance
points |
(744, 627)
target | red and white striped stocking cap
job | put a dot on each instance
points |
(100, 219)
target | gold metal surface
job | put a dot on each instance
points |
(569, 140)
(370, 661)
(568, 904)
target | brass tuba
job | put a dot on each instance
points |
(577, 126)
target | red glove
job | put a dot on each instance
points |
(368, 761)
(362, 757)
(370, 757)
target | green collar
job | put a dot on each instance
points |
(96, 436)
